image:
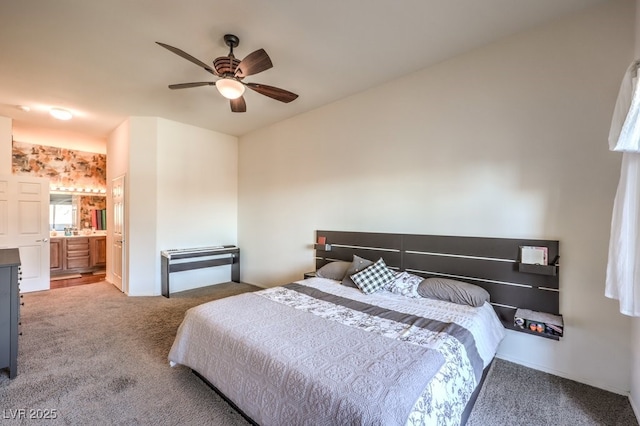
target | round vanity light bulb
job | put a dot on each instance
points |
(230, 88)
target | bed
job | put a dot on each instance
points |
(318, 351)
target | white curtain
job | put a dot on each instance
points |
(623, 267)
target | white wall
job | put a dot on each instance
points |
(117, 165)
(141, 198)
(509, 140)
(197, 190)
(60, 138)
(181, 191)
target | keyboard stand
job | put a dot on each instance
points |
(230, 255)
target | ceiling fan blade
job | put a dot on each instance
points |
(188, 85)
(238, 105)
(272, 92)
(188, 57)
(254, 63)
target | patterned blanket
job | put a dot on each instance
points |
(298, 355)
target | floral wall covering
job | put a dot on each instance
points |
(64, 167)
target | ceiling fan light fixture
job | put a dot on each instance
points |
(60, 114)
(231, 72)
(230, 88)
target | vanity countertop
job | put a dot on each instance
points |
(61, 235)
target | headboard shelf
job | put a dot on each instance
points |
(491, 263)
(538, 269)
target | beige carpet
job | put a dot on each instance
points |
(517, 395)
(96, 356)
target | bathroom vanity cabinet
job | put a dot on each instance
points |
(78, 254)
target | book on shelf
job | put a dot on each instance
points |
(94, 219)
(534, 255)
(99, 219)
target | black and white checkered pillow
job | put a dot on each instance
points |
(373, 278)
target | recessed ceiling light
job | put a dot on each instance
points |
(24, 108)
(60, 114)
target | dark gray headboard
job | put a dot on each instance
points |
(491, 263)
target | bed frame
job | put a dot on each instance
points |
(491, 263)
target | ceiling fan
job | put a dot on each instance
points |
(231, 72)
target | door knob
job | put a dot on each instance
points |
(44, 240)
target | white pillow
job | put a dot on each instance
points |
(405, 284)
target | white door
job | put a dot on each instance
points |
(24, 223)
(118, 263)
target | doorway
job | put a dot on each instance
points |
(24, 203)
(78, 239)
(118, 260)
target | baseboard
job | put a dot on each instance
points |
(255, 285)
(567, 376)
(634, 406)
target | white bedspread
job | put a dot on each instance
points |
(446, 394)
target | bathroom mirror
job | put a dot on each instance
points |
(62, 212)
(71, 210)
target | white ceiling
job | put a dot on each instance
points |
(98, 58)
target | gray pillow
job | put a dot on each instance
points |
(453, 291)
(357, 265)
(333, 270)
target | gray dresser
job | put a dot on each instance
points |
(9, 309)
